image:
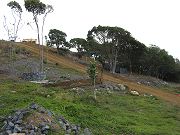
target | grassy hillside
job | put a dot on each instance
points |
(112, 113)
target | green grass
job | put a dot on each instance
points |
(109, 114)
(172, 88)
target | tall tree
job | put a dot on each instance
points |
(37, 8)
(132, 50)
(16, 11)
(106, 42)
(58, 38)
(79, 44)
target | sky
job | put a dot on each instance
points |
(149, 21)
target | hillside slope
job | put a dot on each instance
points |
(69, 63)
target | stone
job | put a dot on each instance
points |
(9, 118)
(138, 82)
(11, 124)
(116, 88)
(110, 87)
(122, 87)
(49, 113)
(68, 131)
(8, 132)
(46, 127)
(63, 119)
(19, 122)
(75, 129)
(5, 125)
(42, 110)
(42, 124)
(134, 93)
(18, 112)
(13, 91)
(34, 106)
(17, 129)
(87, 132)
(15, 118)
(67, 126)
(32, 132)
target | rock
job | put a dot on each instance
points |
(138, 82)
(34, 106)
(15, 118)
(42, 110)
(116, 88)
(67, 126)
(9, 118)
(5, 125)
(68, 131)
(46, 127)
(87, 132)
(109, 92)
(17, 129)
(42, 124)
(36, 129)
(110, 87)
(8, 132)
(32, 132)
(49, 113)
(135, 93)
(11, 124)
(122, 87)
(15, 124)
(13, 91)
(48, 96)
(63, 119)
(18, 122)
(18, 113)
(75, 129)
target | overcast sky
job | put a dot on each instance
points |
(149, 21)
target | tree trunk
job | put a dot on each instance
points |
(37, 26)
(94, 83)
(114, 63)
(130, 67)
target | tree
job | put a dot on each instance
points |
(38, 8)
(106, 42)
(16, 11)
(92, 72)
(58, 38)
(132, 51)
(79, 44)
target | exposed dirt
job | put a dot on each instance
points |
(67, 62)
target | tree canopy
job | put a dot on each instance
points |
(58, 38)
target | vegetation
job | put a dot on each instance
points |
(92, 72)
(109, 114)
(58, 38)
(80, 44)
(115, 46)
(13, 28)
(37, 8)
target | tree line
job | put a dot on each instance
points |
(112, 46)
(115, 47)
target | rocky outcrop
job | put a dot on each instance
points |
(36, 120)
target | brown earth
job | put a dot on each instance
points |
(69, 63)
